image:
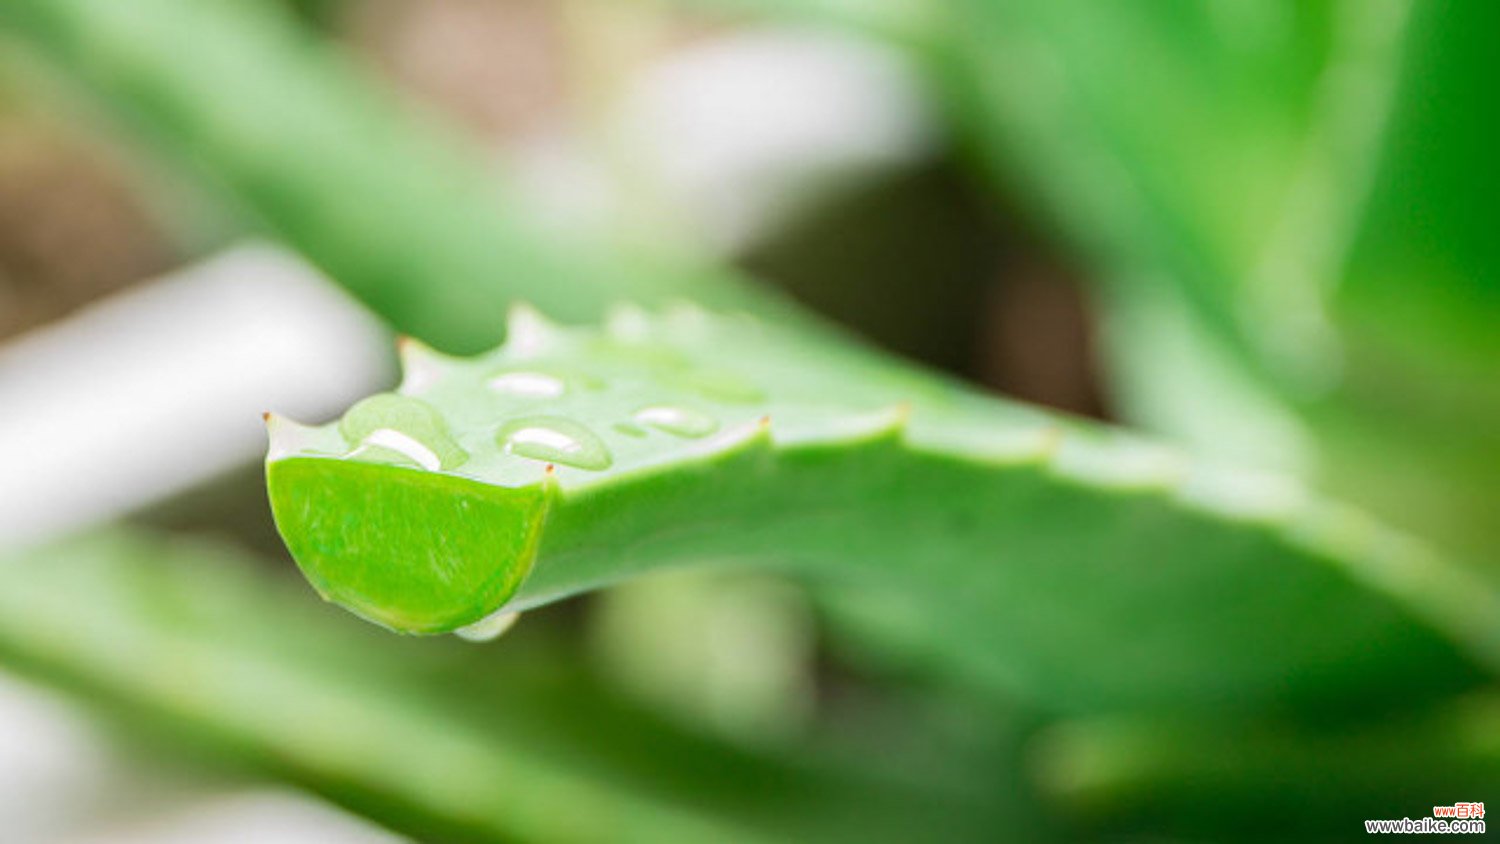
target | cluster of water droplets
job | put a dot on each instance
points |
(401, 429)
(561, 441)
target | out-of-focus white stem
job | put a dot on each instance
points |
(739, 133)
(160, 388)
(63, 780)
(249, 817)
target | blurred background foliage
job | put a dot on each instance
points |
(1260, 229)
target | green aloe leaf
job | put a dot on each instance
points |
(194, 643)
(1019, 551)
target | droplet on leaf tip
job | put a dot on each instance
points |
(489, 628)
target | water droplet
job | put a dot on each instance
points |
(678, 421)
(553, 439)
(535, 385)
(388, 428)
(629, 429)
(488, 628)
(721, 386)
(386, 445)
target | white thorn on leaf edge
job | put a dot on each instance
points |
(527, 331)
(421, 365)
(286, 436)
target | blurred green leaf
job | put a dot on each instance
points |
(411, 219)
(1256, 780)
(1309, 180)
(441, 740)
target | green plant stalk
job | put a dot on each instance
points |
(411, 219)
(192, 642)
(1018, 551)
(1195, 777)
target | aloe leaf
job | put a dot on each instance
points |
(193, 643)
(1020, 551)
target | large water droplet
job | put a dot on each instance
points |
(554, 440)
(389, 428)
(387, 445)
(488, 628)
(534, 385)
(678, 421)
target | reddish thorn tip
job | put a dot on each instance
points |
(265, 416)
(551, 468)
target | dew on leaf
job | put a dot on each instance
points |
(389, 428)
(536, 385)
(678, 421)
(386, 445)
(552, 439)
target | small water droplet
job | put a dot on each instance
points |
(630, 429)
(535, 385)
(488, 628)
(389, 428)
(678, 421)
(553, 439)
